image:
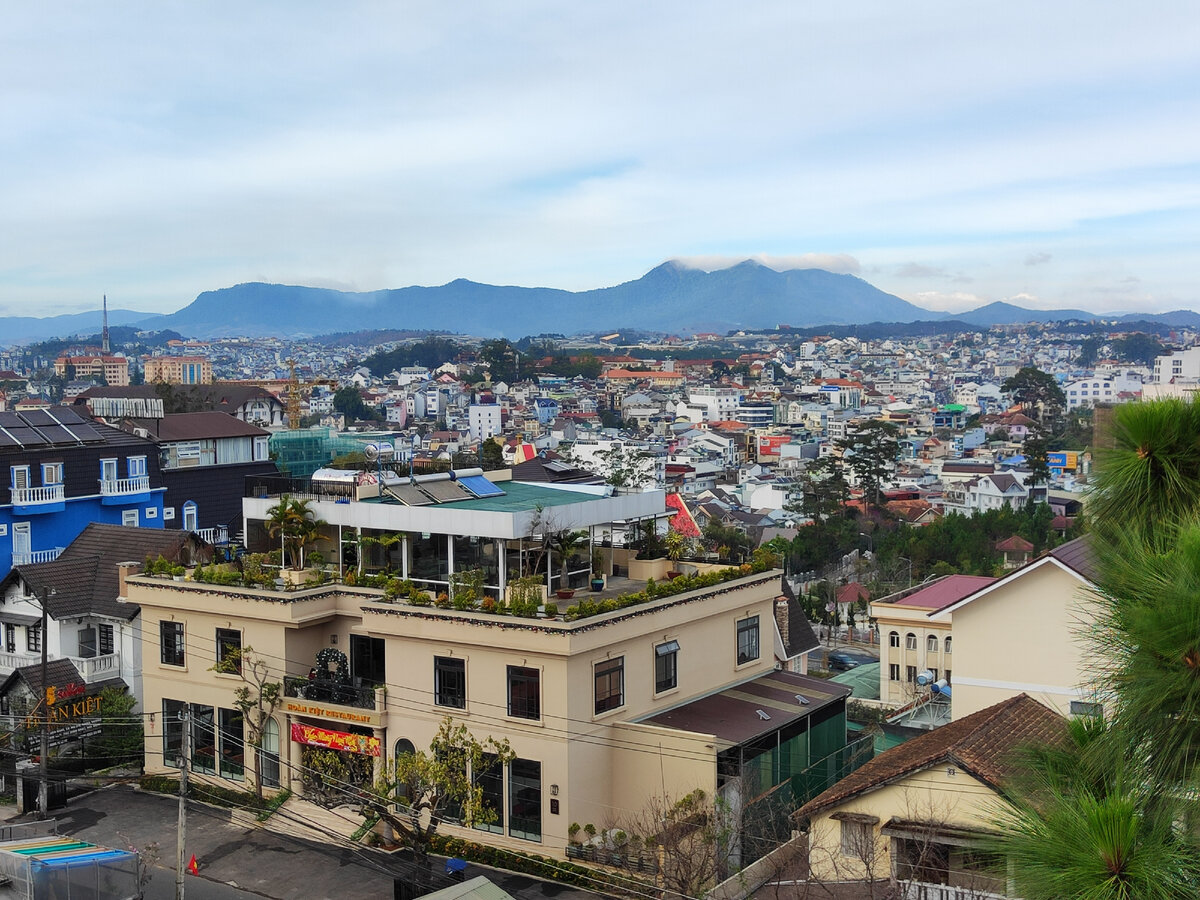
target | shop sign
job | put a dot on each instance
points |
(308, 708)
(335, 740)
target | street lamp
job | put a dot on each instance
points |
(909, 561)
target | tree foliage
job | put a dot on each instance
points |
(293, 522)
(870, 452)
(1038, 394)
(257, 698)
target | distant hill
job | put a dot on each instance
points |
(25, 329)
(669, 298)
(672, 298)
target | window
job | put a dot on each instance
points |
(187, 453)
(894, 639)
(894, 672)
(33, 638)
(933, 675)
(87, 642)
(191, 518)
(947, 676)
(524, 693)
(108, 470)
(747, 640)
(947, 645)
(260, 448)
(931, 644)
(268, 754)
(171, 639)
(910, 641)
(233, 743)
(666, 668)
(910, 674)
(20, 478)
(10, 638)
(52, 473)
(105, 637)
(525, 799)
(1086, 708)
(856, 840)
(129, 518)
(450, 682)
(172, 713)
(610, 684)
(137, 466)
(229, 640)
(367, 660)
(490, 779)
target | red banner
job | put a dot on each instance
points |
(336, 740)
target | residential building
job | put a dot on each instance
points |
(64, 472)
(918, 815)
(911, 643)
(602, 710)
(1029, 632)
(177, 369)
(113, 369)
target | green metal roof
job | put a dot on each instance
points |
(863, 680)
(519, 497)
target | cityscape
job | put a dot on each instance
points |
(553, 453)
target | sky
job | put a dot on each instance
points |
(954, 154)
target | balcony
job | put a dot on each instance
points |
(324, 690)
(97, 668)
(30, 501)
(124, 490)
(10, 661)
(32, 557)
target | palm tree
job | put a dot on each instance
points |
(565, 543)
(296, 526)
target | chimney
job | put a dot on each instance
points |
(783, 618)
(124, 570)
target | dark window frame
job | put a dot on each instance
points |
(105, 638)
(666, 666)
(225, 645)
(171, 637)
(450, 682)
(749, 646)
(526, 701)
(608, 684)
(33, 637)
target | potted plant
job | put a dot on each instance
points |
(677, 548)
(597, 574)
(564, 543)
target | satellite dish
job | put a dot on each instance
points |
(924, 677)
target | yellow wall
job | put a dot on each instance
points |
(604, 767)
(905, 620)
(1028, 635)
(932, 796)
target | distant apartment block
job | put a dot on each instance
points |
(113, 369)
(178, 369)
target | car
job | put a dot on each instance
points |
(844, 660)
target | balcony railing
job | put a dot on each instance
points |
(98, 668)
(324, 690)
(10, 661)
(35, 496)
(120, 487)
(218, 535)
(31, 557)
(265, 486)
(919, 890)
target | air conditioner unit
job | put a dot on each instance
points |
(142, 433)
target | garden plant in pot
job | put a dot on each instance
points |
(565, 543)
(678, 547)
(597, 574)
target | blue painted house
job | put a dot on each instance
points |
(65, 471)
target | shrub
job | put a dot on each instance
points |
(551, 610)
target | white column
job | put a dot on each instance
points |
(450, 564)
(404, 555)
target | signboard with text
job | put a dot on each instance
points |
(336, 740)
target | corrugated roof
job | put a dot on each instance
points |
(733, 714)
(1079, 556)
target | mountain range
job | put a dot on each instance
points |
(669, 298)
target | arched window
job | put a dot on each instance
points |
(947, 645)
(894, 639)
(404, 746)
(931, 644)
(190, 517)
(910, 641)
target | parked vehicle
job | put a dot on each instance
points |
(843, 660)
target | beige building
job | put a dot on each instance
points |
(113, 369)
(915, 815)
(603, 712)
(916, 650)
(177, 369)
(1028, 633)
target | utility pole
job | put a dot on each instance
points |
(185, 753)
(43, 770)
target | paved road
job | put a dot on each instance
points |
(239, 862)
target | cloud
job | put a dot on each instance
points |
(1037, 259)
(916, 270)
(839, 263)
